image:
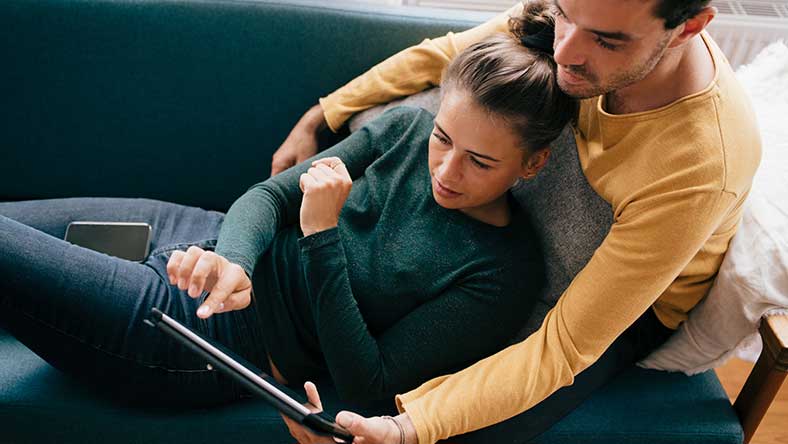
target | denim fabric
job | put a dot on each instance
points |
(82, 311)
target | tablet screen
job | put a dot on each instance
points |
(265, 386)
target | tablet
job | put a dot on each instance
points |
(250, 377)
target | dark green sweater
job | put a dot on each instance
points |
(402, 290)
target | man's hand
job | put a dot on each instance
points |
(301, 143)
(198, 270)
(374, 430)
(326, 186)
(377, 429)
(302, 434)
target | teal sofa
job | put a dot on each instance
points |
(186, 100)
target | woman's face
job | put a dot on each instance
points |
(474, 157)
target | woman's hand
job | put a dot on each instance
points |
(374, 430)
(326, 186)
(199, 270)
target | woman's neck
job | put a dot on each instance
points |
(497, 213)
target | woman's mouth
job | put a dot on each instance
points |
(443, 191)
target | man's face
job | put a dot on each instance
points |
(605, 45)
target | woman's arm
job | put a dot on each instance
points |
(254, 219)
(646, 249)
(466, 322)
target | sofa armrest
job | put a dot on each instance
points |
(766, 377)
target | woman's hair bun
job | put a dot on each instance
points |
(517, 82)
(535, 26)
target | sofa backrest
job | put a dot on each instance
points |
(181, 100)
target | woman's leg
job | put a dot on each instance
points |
(645, 335)
(82, 311)
(171, 223)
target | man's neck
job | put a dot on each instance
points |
(681, 72)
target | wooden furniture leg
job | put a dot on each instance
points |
(766, 377)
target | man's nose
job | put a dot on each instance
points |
(568, 46)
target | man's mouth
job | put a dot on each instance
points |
(571, 77)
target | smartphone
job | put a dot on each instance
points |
(126, 240)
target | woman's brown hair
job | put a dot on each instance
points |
(516, 82)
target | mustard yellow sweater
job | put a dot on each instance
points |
(676, 178)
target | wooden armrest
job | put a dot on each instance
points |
(766, 377)
(774, 331)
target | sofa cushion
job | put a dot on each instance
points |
(131, 98)
(640, 406)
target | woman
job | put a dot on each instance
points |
(373, 280)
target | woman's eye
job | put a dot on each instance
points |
(557, 13)
(441, 139)
(606, 45)
(483, 166)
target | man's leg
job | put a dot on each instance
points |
(645, 335)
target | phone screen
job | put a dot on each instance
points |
(126, 240)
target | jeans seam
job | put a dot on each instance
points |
(180, 246)
(107, 352)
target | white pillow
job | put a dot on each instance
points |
(753, 278)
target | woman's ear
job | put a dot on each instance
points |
(535, 163)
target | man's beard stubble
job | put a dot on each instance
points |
(618, 80)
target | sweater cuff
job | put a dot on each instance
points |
(411, 406)
(239, 260)
(333, 113)
(319, 239)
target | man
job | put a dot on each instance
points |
(665, 135)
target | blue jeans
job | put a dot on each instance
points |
(82, 311)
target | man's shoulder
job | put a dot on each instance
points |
(711, 136)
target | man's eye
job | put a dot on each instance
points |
(557, 13)
(441, 139)
(606, 45)
(483, 166)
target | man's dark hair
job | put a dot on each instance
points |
(676, 12)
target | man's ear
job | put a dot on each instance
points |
(535, 163)
(693, 26)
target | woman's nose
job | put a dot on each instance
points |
(450, 171)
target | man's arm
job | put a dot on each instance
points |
(407, 72)
(301, 143)
(647, 248)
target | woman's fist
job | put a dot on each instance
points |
(326, 186)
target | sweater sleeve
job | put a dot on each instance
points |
(431, 339)
(647, 247)
(254, 219)
(409, 71)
